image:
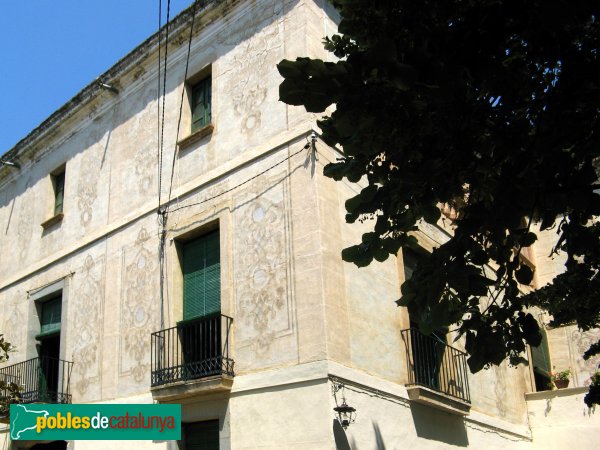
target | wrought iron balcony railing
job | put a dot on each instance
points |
(435, 365)
(40, 380)
(191, 350)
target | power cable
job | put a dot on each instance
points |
(158, 149)
(162, 127)
(162, 214)
(187, 64)
(243, 182)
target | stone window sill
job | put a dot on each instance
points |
(196, 136)
(52, 221)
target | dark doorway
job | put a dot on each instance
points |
(49, 352)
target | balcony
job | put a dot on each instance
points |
(40, 380)
(191, 358)
(437, 373)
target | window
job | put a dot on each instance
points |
(201, 103)
(201, 435)
(58, 183)
(48, 387)
(201, 328)
(202, 277)
(540, 356)
(50, 317)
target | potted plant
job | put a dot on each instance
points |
(560, 379)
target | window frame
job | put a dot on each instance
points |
(56, 199)
(195, 131)
(204, 239)
(200, 95)
(58, 187)
(44, 307)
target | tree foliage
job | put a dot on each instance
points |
(488, 107)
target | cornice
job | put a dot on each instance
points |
(208, 11)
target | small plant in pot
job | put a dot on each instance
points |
(560, 380)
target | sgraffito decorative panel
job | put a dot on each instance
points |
(256, 48)
(86, 307)
(141, 130)
(139, 308)
(579, 342)
(87, 185)
(262, 274)
(12, 326)
(25, 224)
(500, 389)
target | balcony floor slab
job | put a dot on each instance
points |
(429, 397)
(175, 392)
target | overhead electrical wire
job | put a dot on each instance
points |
(244, 182)
(158, 149)
(161, 133)
(164, 92)
(187, 64)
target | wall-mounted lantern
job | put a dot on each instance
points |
(346, 413)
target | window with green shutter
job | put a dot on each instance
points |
(58, 182)
(50, 317)
(202, 277)
(201, 103)
(201, 435)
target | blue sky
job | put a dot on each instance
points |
(51, 49)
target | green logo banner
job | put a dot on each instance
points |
(43, 422)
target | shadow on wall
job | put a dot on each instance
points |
(341, 441)
(378, 437)
(439, 426)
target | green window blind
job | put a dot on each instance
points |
(202, 435)
(202, 277)
(541, 355)
(201, 104)
(51, 311)
(59, 192)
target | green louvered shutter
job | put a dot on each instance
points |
(202, 277)
(51, 311)
(59, 192)
(202, 435)
(201, 104)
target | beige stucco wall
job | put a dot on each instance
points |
(560, 419)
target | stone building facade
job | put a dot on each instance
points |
(98, 229)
